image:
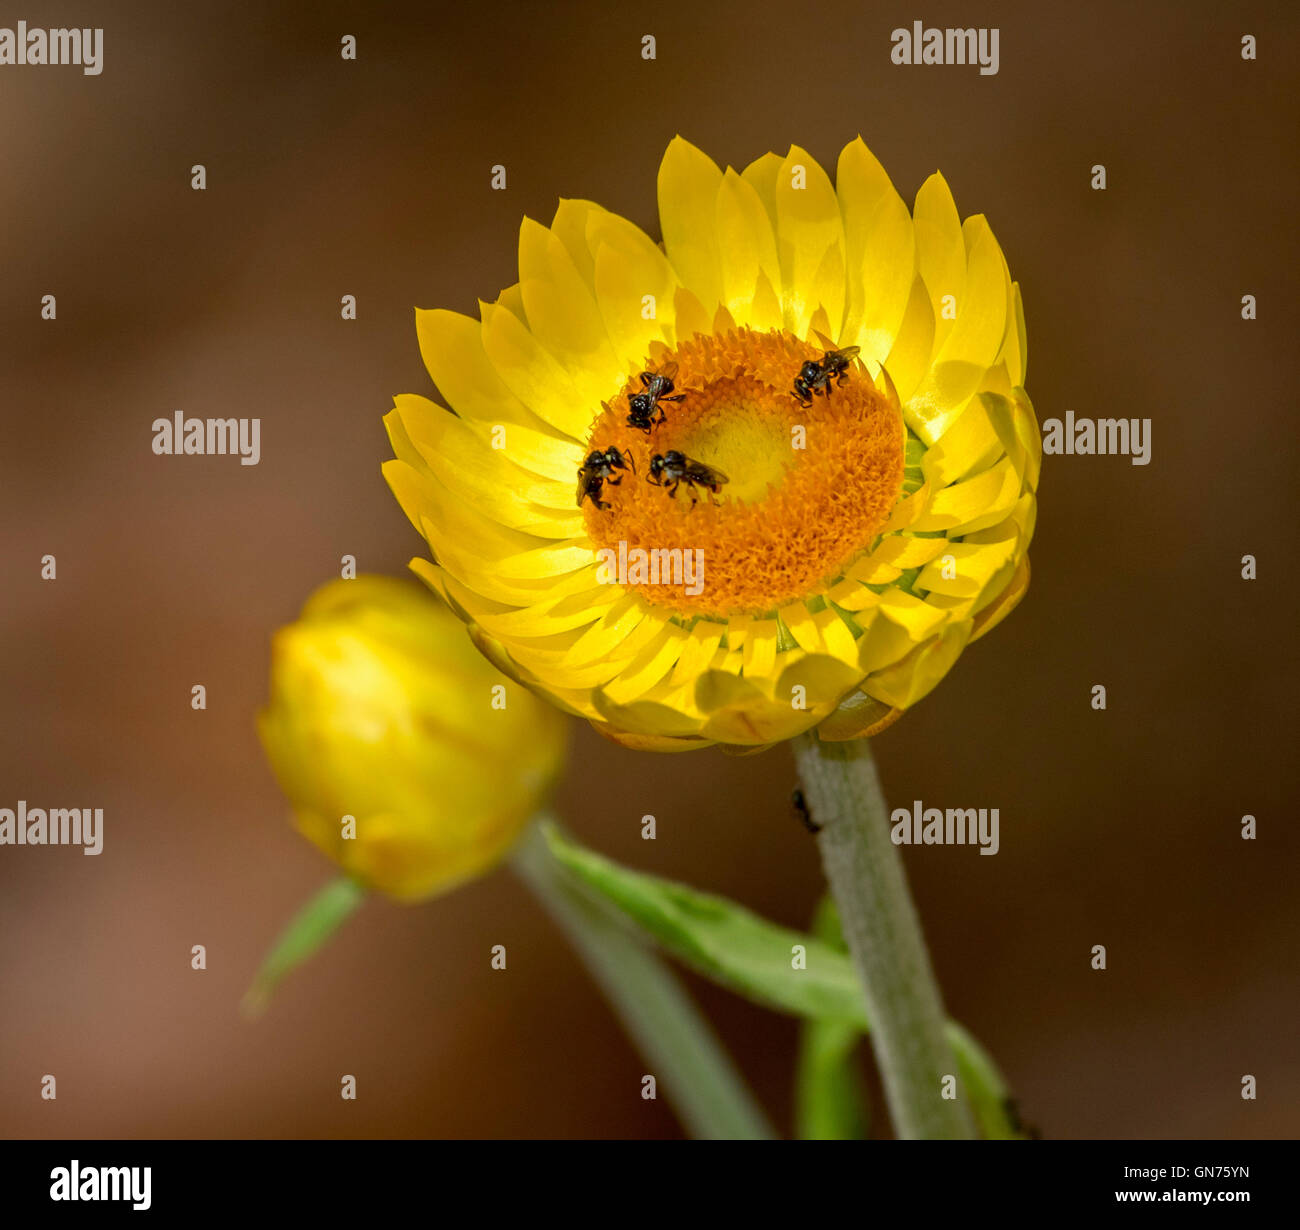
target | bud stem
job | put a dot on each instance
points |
(883, 932)
(679, 1046)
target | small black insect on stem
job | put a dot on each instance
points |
(1011, 1108)
(801, 810)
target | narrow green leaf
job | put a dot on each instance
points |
(990, 1098)
(724, 941)
(745, 953)
(306, 932)
(700, 1077)
(830, 1095)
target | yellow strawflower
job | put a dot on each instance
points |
(382, 711)
(746, 558)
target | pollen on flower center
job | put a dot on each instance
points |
(806, 490)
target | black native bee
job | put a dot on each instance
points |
(672, 468)
(815, 376)
(801, 810)
(599, 469)
(656, 387)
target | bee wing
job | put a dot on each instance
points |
(709, 475)
(582, 484)
(669, 369)
(849, 352)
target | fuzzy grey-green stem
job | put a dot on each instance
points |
(881, 928)
(681, 1049)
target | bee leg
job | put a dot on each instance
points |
(614, 482)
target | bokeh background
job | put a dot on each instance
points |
(371, 178)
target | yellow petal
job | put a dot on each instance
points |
(746, 249)
(906, 682)
(1007, 601)
(906, 551)
(760, 650)
(653, 662)
(485, 476)
(546, 618)
(971, 343)
(810, 243)
(824, 681)
(880, 252)
(648, 743)
(975, 503)
(971, 443)
(836, 635)
(563, 316)
(570, 227)
(909, 357)
(625, 626)
(756, 723)
(858, 717)
(1022, 339)
(802, 627)
(688, 190)
(850, 593)
(940, 253)
(535, 377)
(910, 613)
(1011, 355)
(635, 287)
(1017, 429)
(690, 316)
(673, 718)
(965, 568)
(452, 348)
(699, 647)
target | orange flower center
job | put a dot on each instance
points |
(806, 488)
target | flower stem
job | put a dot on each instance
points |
(881, 928)
(680, 1047)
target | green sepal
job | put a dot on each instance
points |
(315, 923)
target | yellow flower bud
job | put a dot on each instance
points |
(408, 760)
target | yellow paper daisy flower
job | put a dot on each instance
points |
(642, 516)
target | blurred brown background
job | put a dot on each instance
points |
(371, 178)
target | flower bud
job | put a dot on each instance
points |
(408, 760)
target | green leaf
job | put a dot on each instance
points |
(701, 1079)
(724, 941)
(306, 932)
(738, 949)
(830, 1095)
(995, 1112)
